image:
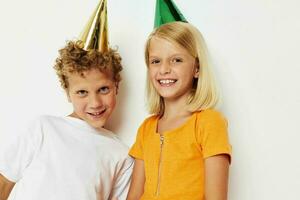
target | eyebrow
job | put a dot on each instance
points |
(173, 55)
(153, 57)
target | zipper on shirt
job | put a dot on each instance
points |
(159, 165)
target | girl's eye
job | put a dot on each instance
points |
(104, 90)
(154, 61)
(177, 60)
(81, 93)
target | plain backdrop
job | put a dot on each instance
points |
(254, 47)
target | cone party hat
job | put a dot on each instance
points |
(95, 33)
(166, 11)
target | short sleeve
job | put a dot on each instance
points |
(17, 154)
(122, 182)
(212, 134)
(136, 151)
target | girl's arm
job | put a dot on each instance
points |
(136, 189)
(5, 187)
(216, 177)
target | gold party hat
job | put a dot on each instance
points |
(95, 33)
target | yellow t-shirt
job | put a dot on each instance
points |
(174, 164)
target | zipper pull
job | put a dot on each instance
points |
(161, 140)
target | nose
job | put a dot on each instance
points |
(95, 101)
(165, 68)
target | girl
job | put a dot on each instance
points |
(182, 151)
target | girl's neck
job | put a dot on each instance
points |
(174, 116)
(175, 109)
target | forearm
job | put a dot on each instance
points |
(134, 195)
(135, 191)
(216, 177)
(5, 187)
(4, 192)
(137, 182)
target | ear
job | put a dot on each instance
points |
(117, 87)
(196, 69)
(68, 96)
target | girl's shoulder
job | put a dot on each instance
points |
(150, 120)
(210, 114)
(148, 124)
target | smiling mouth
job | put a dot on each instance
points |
(167, 82)
(97, 114)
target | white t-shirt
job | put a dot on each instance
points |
(63, 158)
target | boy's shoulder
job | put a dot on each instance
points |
(114, 147)
(37, 122)
(114, 138)
(43, 121)
(36, 125)
(103, 138)
(46, 118)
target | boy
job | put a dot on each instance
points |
(73, 157)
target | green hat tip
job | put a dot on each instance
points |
(166, 11)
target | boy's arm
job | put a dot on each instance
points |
(122, 181)
(5, 187)
(216, 177)
(136, 189)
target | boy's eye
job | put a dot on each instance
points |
(104, 90)
(81, 93)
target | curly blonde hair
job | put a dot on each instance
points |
(74, 59)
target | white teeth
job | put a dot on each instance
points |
(97, 113)
(166, 81)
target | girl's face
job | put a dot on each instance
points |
(93, 96)
(171, 69)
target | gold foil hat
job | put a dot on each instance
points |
(95, 33)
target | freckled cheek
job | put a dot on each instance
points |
(79, 104)
(152, 76)
(110, 101)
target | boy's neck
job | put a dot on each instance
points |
(74, 115)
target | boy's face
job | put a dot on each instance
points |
(93, 96)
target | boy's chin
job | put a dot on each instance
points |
(97, 125)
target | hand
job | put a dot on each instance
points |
(5, 187)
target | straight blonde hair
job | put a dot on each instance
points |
(204, 94)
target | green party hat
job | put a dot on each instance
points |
(166, 11)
